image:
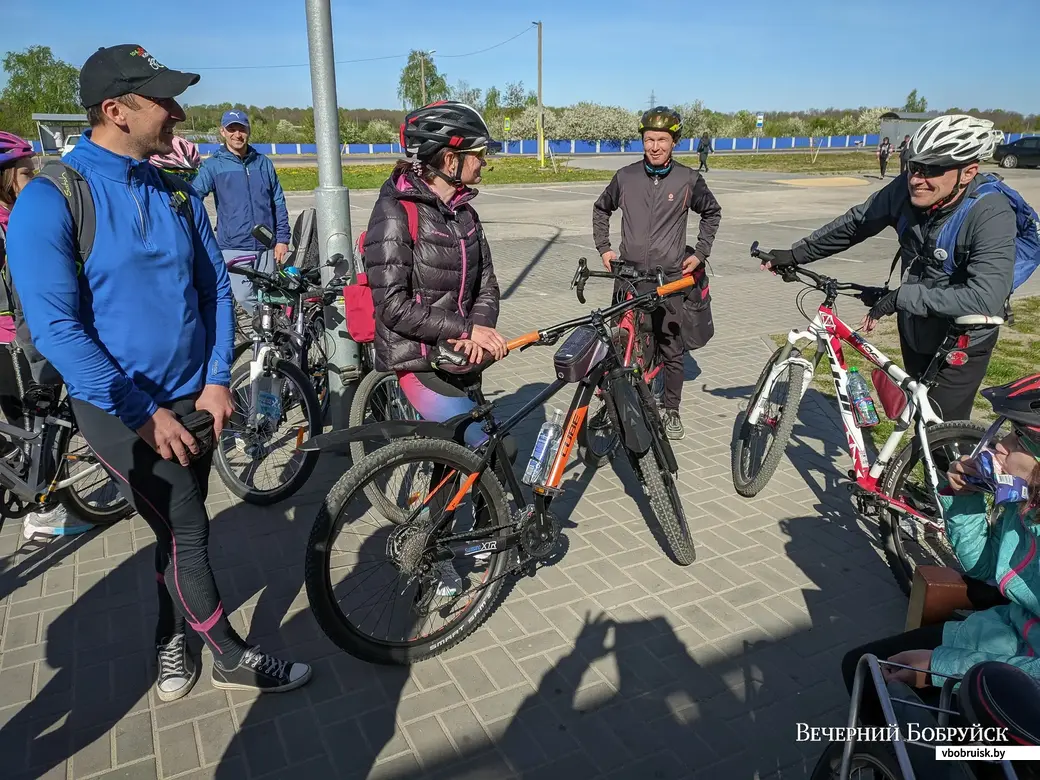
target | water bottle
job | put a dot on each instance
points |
(549, 437)
(863, 410)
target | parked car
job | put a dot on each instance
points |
(70, 144)
(1018, 154)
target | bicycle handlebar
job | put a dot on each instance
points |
(620, 270)
(790, 273)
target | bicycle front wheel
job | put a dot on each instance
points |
(258, 456)
(872, 760)
(909, 543)
(654, 472)
(393, 594)
(753, 462)
(379, 398)
(598, 437)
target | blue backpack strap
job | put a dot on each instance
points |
(947, 238)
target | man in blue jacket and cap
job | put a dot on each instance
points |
(141, 330)
(246, 193)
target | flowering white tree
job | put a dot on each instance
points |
(592, 122)
(526, 125)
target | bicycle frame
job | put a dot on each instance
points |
(828, 332)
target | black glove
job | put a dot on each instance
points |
(884, 307)
(872, 295)
(782, 258)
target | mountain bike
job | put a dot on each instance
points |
(486, 538)
(909, 513)
(46, 461)
(634, 341)
(274, 388)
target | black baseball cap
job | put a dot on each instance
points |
(119, 70)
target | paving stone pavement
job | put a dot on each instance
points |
(613, 663)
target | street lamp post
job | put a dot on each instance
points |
(422, 71)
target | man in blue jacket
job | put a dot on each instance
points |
(142, 332)
(246, 193)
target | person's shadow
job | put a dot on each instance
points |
(101, 663)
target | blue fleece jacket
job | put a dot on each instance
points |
(151, 316)
(246, 193)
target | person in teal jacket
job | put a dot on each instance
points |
(1002, 553)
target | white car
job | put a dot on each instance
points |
(70, 144)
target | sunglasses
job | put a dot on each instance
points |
(926, 171)
(1028, 442)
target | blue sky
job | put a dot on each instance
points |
(752, 54)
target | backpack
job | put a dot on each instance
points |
(358, 304)
(1027, 234)
(74, 187)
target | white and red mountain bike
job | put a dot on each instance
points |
(900, 488)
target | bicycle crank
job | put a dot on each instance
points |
(539, 534)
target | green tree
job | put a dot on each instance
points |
(492, 103)
(516, 97)
(410, 85)
(37, 83)
(464, 93)
(915, 104)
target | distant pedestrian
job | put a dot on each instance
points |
(884, 151)
(903, 147)
(704, 149)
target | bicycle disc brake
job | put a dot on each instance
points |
(539, 534)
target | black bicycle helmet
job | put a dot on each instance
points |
(662, 118)
(998, 695)
(445, 124)
(1018, 401)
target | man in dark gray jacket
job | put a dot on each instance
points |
(942, 164)
(656, 196)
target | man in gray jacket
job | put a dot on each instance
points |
(656, 196)
(942, 164)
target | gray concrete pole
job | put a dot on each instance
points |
(332, 207)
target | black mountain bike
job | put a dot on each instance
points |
(424, 585)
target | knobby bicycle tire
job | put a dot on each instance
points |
(750, 487)
(659, 484)
(594, 456)
(317, 575)
(312, 417)
(892, 480)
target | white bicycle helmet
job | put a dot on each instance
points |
(953, 140)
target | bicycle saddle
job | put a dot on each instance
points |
(996, 694)
(447, 359)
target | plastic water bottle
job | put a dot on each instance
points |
(863, 410)
(549, 437)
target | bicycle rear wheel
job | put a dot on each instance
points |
(752, 467)
(907, 543)
(395, 563)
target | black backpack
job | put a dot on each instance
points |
(74, 187)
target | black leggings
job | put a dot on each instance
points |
(172, 500)
(955, 386)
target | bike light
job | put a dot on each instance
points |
(962, 341)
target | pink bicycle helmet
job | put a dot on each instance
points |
(13, 148)
(185, 156)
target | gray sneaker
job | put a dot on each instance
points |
(178, 671)
(673, 427)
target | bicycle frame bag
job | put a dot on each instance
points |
(579, 353)
(893, 398)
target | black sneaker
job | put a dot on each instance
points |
(177, 669)
(673, 427)
(259, 671)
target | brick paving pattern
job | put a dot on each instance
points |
(614, 663)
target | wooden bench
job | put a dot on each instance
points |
(939, 593)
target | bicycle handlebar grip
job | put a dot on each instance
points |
(580, 291)
(673, 287)
(523, 341)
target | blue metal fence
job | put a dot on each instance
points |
(566, 147)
